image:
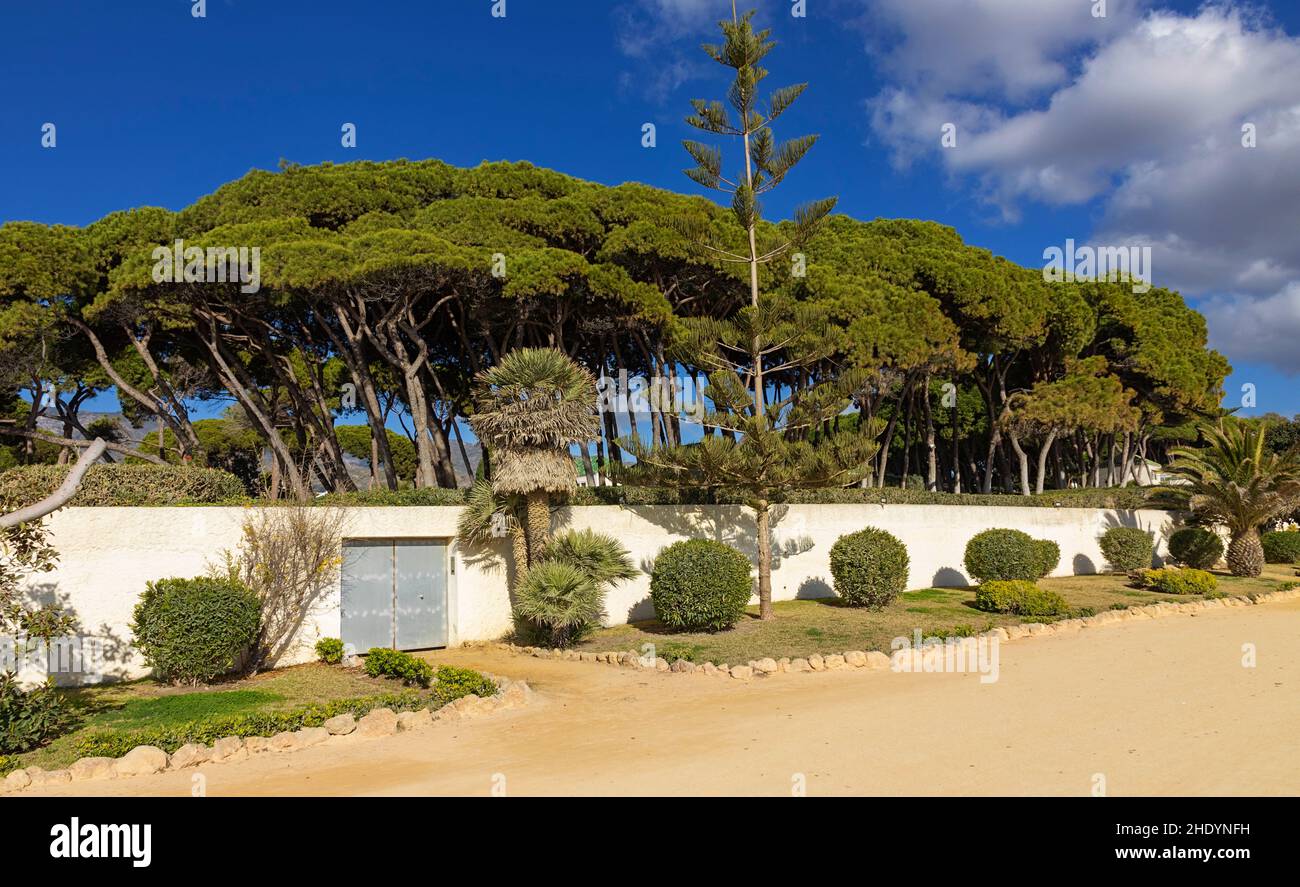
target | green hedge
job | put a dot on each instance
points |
(125, 485)
(700, 585)
(407, 497)
(869, 568)
(1003, 555)
(386, 663)
(452, 684)
(1127, 548)
(1282, 546)
(1171, 580)
(192, 630)
(1195, 547)
(1019, 597)
(1120, 498)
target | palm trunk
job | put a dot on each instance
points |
(538, 524)
(1246, 554)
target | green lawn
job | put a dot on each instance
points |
(802, 628)
(147, 703)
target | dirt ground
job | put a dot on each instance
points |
(1161, 707)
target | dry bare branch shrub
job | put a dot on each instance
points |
(290, 556)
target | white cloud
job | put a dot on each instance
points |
(1149, 127)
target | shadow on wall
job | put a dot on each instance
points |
(90, 655)
(947, 577)
(732, 525)
(814, 588)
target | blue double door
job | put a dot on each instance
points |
(394, 593)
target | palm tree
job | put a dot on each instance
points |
(1237, 482)
(528, 409)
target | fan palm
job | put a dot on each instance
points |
(528, 410)
(1236, 481)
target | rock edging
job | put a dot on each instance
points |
(145, 760)
(874, 660)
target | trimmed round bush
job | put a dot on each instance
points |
(559, 602)
(1049, 556)
(1127, 548)
(869, 568)
(191, 630)
(1195, 547)
(1171, 580)
(1281, 547)
(700, 585)
(1019, 597)
(1000, 555)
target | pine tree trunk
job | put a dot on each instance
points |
(1246, 554)
(538, 524)
(763, 521)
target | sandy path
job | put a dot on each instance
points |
(1158, 707)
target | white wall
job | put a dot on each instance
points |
(106, 555)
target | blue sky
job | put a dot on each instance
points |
(1114, 130)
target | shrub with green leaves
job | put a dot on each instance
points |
(1003, 555)
(1281, 547)
(31, 718)
(329, 651)
(122, 484)
(453, 683)
(1195, 547)
(700, 585)
(559, 603)
(1127, 548)
(1049, 556)
(1172, 580)
(386, 663)
(192, 630)
(562, 598)
(1019, 597)
(869, 568)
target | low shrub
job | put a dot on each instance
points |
(386, 663)
(1171, 580)
(1195, 547)
(453, 683)
(558, 603)
(191, 630)
(1019, 597)
(1049, 556)
(1281, 546)
(1003, 555)
(329, 651)
(700, 585)
(123, 484)
(31, 718)
(1127, 548)
(8, 763)
(869, 568)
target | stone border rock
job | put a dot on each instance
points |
(874, 660)
(145, 760)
